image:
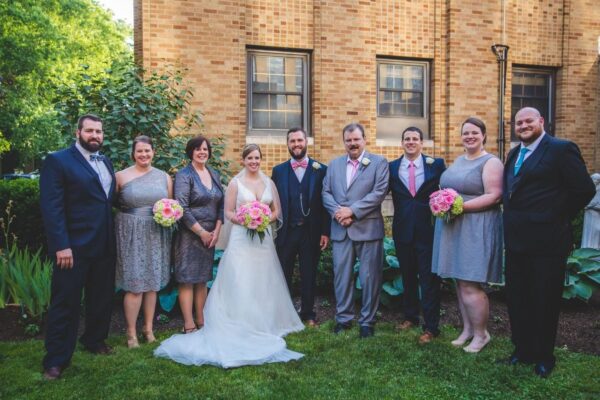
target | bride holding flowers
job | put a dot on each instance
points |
(249, 308)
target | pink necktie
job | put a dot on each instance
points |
(412, 183)
(354, 168)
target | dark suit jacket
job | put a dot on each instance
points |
(540, 201)
(412, 217)
(77, 213)
(318, 220)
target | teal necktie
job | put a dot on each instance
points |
(520, 160)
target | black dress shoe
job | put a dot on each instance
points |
(339, 327)
(52, 373)
(513, 360)
(366, 331)
(543, 370)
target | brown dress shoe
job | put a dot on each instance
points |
(406, 324)
(426, 337)
(52, 373)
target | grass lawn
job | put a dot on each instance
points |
(390, 365)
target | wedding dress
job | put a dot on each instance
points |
(248, 309)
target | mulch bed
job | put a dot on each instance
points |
(579, 326)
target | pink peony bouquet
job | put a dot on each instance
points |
(256, 217)
(167, 212)
(446, 204)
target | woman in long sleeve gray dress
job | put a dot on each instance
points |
(198, 189)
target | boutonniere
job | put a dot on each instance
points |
(429, 160)
(316, 165)
(365, 161)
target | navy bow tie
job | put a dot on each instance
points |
(96, 157)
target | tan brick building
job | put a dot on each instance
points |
(259, 66)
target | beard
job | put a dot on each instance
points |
(300, 156)
(91, 146)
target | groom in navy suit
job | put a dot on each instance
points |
(413, 177)
(545, 185)
(305, 229)
(77, 187)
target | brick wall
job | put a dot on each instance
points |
(344, 37)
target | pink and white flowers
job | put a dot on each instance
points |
(255, 217)
(167, 212)
(446, 204)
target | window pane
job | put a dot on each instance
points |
(260, 119)
(409, 104)
(401, 77)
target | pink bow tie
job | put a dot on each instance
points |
(301, 164)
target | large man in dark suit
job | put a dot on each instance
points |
(305, 229)
(545, 184)
(413, 177)
(77, 187)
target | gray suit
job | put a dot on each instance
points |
(363, 238)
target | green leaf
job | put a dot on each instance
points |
(392, 261)
(391, 289)
(586, 253)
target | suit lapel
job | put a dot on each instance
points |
(81, 159)
(395, 174)
(530, 163)
(311, 175)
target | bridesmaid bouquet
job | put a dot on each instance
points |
(446, 204)
(167, 212)
(255, 217)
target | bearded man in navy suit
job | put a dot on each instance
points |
(545, 185)
(305, 229)
(77, 187)
(413, 177)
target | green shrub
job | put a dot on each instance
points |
(27, 224)
(583, 274)
(26, 278)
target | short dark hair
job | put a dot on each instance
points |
(195, 143)
(478, 123)
(351, 127)
(87, 116)
(295, 129)
(249, 148)
(140, 139)
(413, 129)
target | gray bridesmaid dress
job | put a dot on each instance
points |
(468, 247)
(143, 246)
(193, 262)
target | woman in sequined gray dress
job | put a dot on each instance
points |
(143, 247)
(469, 247)
(198, 189)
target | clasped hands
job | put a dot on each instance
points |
(209, 239)
(343, 216)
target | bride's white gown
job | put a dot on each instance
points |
(248, 309)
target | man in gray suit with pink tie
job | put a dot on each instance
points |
(353, 190)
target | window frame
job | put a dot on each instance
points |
(305, 94)
(390, 126)
(550, 119)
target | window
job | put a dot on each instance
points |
(278, 92)
(533, 88)
(402, 96)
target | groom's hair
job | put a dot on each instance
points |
(352, 127)
(413, 129)
(296, 129)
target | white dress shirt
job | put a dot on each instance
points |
(300, 171)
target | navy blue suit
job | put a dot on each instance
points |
(303, 225)
(551, 187)
(77, 214)
(412, 230)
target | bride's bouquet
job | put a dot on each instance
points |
(255, 217)
(446, 204)
(167, 212)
